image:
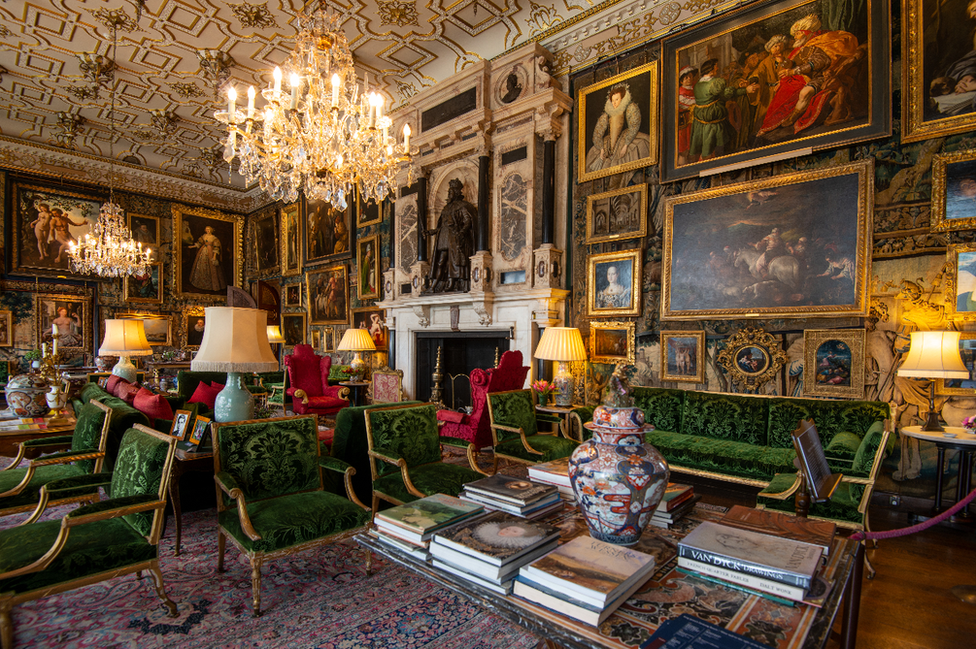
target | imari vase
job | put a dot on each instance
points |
(618, 479)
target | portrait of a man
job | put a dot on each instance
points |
(195, 326)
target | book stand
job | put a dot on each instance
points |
(817, 483)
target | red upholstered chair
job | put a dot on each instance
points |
(308, 384)
(509, 375)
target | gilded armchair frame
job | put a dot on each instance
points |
(71, 520)
(561, 432)
(258, 558)
(60, 446)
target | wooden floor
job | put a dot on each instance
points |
(908, 605)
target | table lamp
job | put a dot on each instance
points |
(274, 335)
(934, 355)
(125, 338)
(563, 345)
(235, 341)
(356, 340)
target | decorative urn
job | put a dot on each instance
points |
(27, 395)
(618, 479)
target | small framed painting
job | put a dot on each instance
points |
(181, 424)
(194, 326)
(683, 356)
(960, 281)
(614, 283)
(369, 213)
(617, 214)
(70, 315)
(293, 328)
(368, 266)
(291, 240)
(315, 339)
(200, 434)
(372, 319)
(265, 233)
(962, 387)
(954, 191)
(158, 327)
(328, 339)
(293, 294)
(833, 363)
(612, 342)
(145, 230)
(328, 295)
(144, 287)
(6, 328)
(751, 357)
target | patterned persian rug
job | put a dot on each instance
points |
(319, 599)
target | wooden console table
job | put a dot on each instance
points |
(11, 436)
(185, 462)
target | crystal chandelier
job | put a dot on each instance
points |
(324, 137)
(108, 250)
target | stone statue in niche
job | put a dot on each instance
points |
(513, 89)
(450, 268)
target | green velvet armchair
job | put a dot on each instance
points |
(515, 430)
(68, 456)
(103, 540)
(405, 456)
(270, 500)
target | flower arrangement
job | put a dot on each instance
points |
(969, 423)
(544, 388)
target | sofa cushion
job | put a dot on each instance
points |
(866, 452)
(112, 382)
(204, 394)
(726, 417)
(726, 457)
(842, 447)
(127, 391)
(154, 406)
(830, 418)
(217, 386)
(326, 403)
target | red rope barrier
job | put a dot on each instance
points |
(924, 525)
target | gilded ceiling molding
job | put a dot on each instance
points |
(399, 13)
(254, 15)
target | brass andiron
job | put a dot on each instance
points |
(438, 376)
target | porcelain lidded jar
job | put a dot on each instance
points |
(27, 395)
(618, 479)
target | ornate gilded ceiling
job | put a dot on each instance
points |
(57, 69)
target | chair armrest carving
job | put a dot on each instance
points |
(347, 471)
(298, 393)
(229, 486)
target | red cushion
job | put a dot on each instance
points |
(326, 435)
(326, 403)
(217, 386)
(451, 416)
(204, 394)
(113, 383)
(127, 392)
(152, 405)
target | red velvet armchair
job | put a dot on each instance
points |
(308, 384)
(509, 375)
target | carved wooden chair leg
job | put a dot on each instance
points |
(6, 628)
(376, 504)
(168, 604)
(256, 585)
(221, 544)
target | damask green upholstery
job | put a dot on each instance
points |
(124, 417)
(405, 456)
(270, 500)
(20, 487)
(514, 426)
(100, 541)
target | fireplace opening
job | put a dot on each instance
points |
(461, 352)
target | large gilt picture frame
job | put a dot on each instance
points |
(207, 252)
(617, 214)
(291, 239)
(960, 281)
(937, 52)
(772, 80)
(266, 245)
(833, 363)
(70, 314)
(613, 286)
(368, 267)
(45, 222)
(962, 387)
(793, 245)
(629, 99)
(954, 191)
(329, 232)
(683, 356)
(328, 295)
(612, 342)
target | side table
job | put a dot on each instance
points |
(952, 438)
(15, 431)
(184, 462)
(358, 389)
(561, 411)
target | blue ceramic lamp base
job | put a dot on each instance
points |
(234, 402)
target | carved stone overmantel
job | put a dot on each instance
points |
(547, 267)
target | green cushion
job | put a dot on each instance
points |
(139, 472)
(409, 432)
(552, 448)
(866, 452)
(843, 446)
(725, 417)
(294, 519)
(722, 456)
(662, 407)
(436, 478)
(841, 507)
(514, 409)
(90, 549)
(88, 432)
(42, 475)
(830, 417)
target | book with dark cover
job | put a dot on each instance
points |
(531, 510)
(555, 472)
(418, 520)
(768, 557)
(674, 496)
(516, 491)
(767, 521)
(498, 538)
(689, 632)
(788, 591)
(589, 570)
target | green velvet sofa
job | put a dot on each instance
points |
(123, 418)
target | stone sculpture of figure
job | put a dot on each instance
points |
(450, 269)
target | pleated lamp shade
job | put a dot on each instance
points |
(235, 340)
(934, 355)
(125, 338)
(561, 344)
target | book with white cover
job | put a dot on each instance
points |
(498, 538)
(482, 568)
(590, 570)
(418, 520)
(568, 606)
(555, 472)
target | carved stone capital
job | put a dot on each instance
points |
(547, 266)
(481, 272)
(484, 307)
(422, 311)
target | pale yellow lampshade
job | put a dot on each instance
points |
(356, 340)
(125, 338)
(274, 335)
(235, 340)
(561, 344)
(934, 355)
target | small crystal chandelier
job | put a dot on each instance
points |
(108, 250)
(324, 136)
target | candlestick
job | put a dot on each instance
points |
(295, 83)
(277, 81)
(250, 102)
(54, 329)
(406, 138)
(335, 89)
(231, 102)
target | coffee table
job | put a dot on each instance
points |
(13, 432)
(669, 593)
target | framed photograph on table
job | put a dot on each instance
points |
(159, 330)
(144, 287)
(200, 434)
(618, 124)
(617, 214)
(833, 363)
(145, 230)
(962, 387)
(181, 424)
(372, 319)
(328, 232)
(207, 252)
(6, 328)
(70, 314)
(293, 328)
(368, 267)
(614, 283)
(937, 56)
(291, 239)
(773, 80)
(266, 244)
(612, 342)
(683, 356)
(954, 190)
(794, 245)
(45, 222)
(328, 295)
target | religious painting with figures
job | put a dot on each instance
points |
(328, 295)
(46, 222)
(833, 363)
(327, 234)
(683, 356)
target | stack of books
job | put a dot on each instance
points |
(555, 473)
(771, 565)
(767, 521)
(679, 499)
(584, 579)
(410, 527)
(516, 496)
(489, 551)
